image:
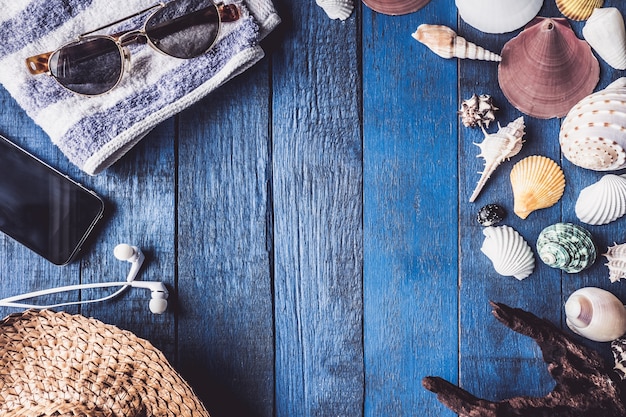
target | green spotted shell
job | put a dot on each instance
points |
(566, 246)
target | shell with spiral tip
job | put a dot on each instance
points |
(578, 9)
(498, 147)
(477, 111)
(498, 16)
(593, 135)
(616, 257)
(596, 314)
(537, 182)
(508, 251)
(603, 201)
(546, 69)
(447, 44)
(337, 9)
(566, 246)
(606, 34)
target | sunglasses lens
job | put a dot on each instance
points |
(90, 66)
(184, 28)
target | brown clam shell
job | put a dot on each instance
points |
(395, 7)
(546, 69)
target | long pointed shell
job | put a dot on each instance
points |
(566, 246)
(616, 257)
(508, 251)
(447, 44)
(578, 9)
(593, 135)
(603, 201)
(546, 69)
(498, 147)
(337, 9)
(606, 34)
(596, 314)
(498, 16)
(538, 182)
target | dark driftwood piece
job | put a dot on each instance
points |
(585, 385)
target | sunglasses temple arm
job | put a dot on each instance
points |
(228, 12)
(38, 64)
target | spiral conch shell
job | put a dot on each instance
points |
(498, 147)
(337, 9)
(447, 44)
(566, 246)
(602, 202)
(578, 9)
(498, 16)
(606, 33)
(538, 182)
(596, 314)
(508, 251)
(616, 257)
(593, 135)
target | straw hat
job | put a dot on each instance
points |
(62, 365)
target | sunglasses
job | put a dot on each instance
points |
(94, 64)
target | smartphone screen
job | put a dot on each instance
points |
(43, 209)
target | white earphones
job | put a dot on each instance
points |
(123, 252)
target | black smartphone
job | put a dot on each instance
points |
(43, 209)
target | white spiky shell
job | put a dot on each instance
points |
(508, 251)
(606, 34)
(337, 9)
(596, 314)
(603, 201)
(593, 134)
(537, 182)
(498, 16)
(447, 44)
(498, 147)
(616, 257)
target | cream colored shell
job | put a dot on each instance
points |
(537, 182)
(606, 34)
(603, 201)
(498, 16)
(447, 44)
(508, 251)
(596, 314)
(578, 9)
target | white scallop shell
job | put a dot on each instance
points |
(337, 9)
(596, 314)
(508, 251)
(593, 134)
(616, 256)
(602, 202)
(606, 34)
(498, 16)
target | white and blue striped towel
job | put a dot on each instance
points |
(94, 132)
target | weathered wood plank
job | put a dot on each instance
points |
(317, 206)
(410, 213)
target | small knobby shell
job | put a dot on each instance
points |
(596, 314)
(603, 201)
(578, 9)
(537, 182)
(447, 44)
(498, 16)
(477, 111)
(508, 251)
(606, 33)
(616, 257)
(566, 246)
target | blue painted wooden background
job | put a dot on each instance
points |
(312, 223)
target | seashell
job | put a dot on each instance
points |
(447, 44)
(508, 251)
(596, 314)
(606, 34)
(477, 111)
(602, 202)
(395, 7)
(546, 69)
(618, 348)
(538, 182)
(566, 246)
(578, 9)
(593, 135)
(337, 9)
(490, 214)
(616, 256)
(498, 16)
(496, 148)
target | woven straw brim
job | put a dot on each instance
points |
(58, 364)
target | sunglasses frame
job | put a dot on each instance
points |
(40, 64)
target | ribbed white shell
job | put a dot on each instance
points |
(337, 9)
(498, 16)
(606, 34)
(508, 251)
(616, 257)
(596, 314)
(603, 201)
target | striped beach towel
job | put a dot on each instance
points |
(94, 132)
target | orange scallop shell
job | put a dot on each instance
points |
(546, 69)
(395, 7)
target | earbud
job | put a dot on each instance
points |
(132, 254)
(159, 294)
